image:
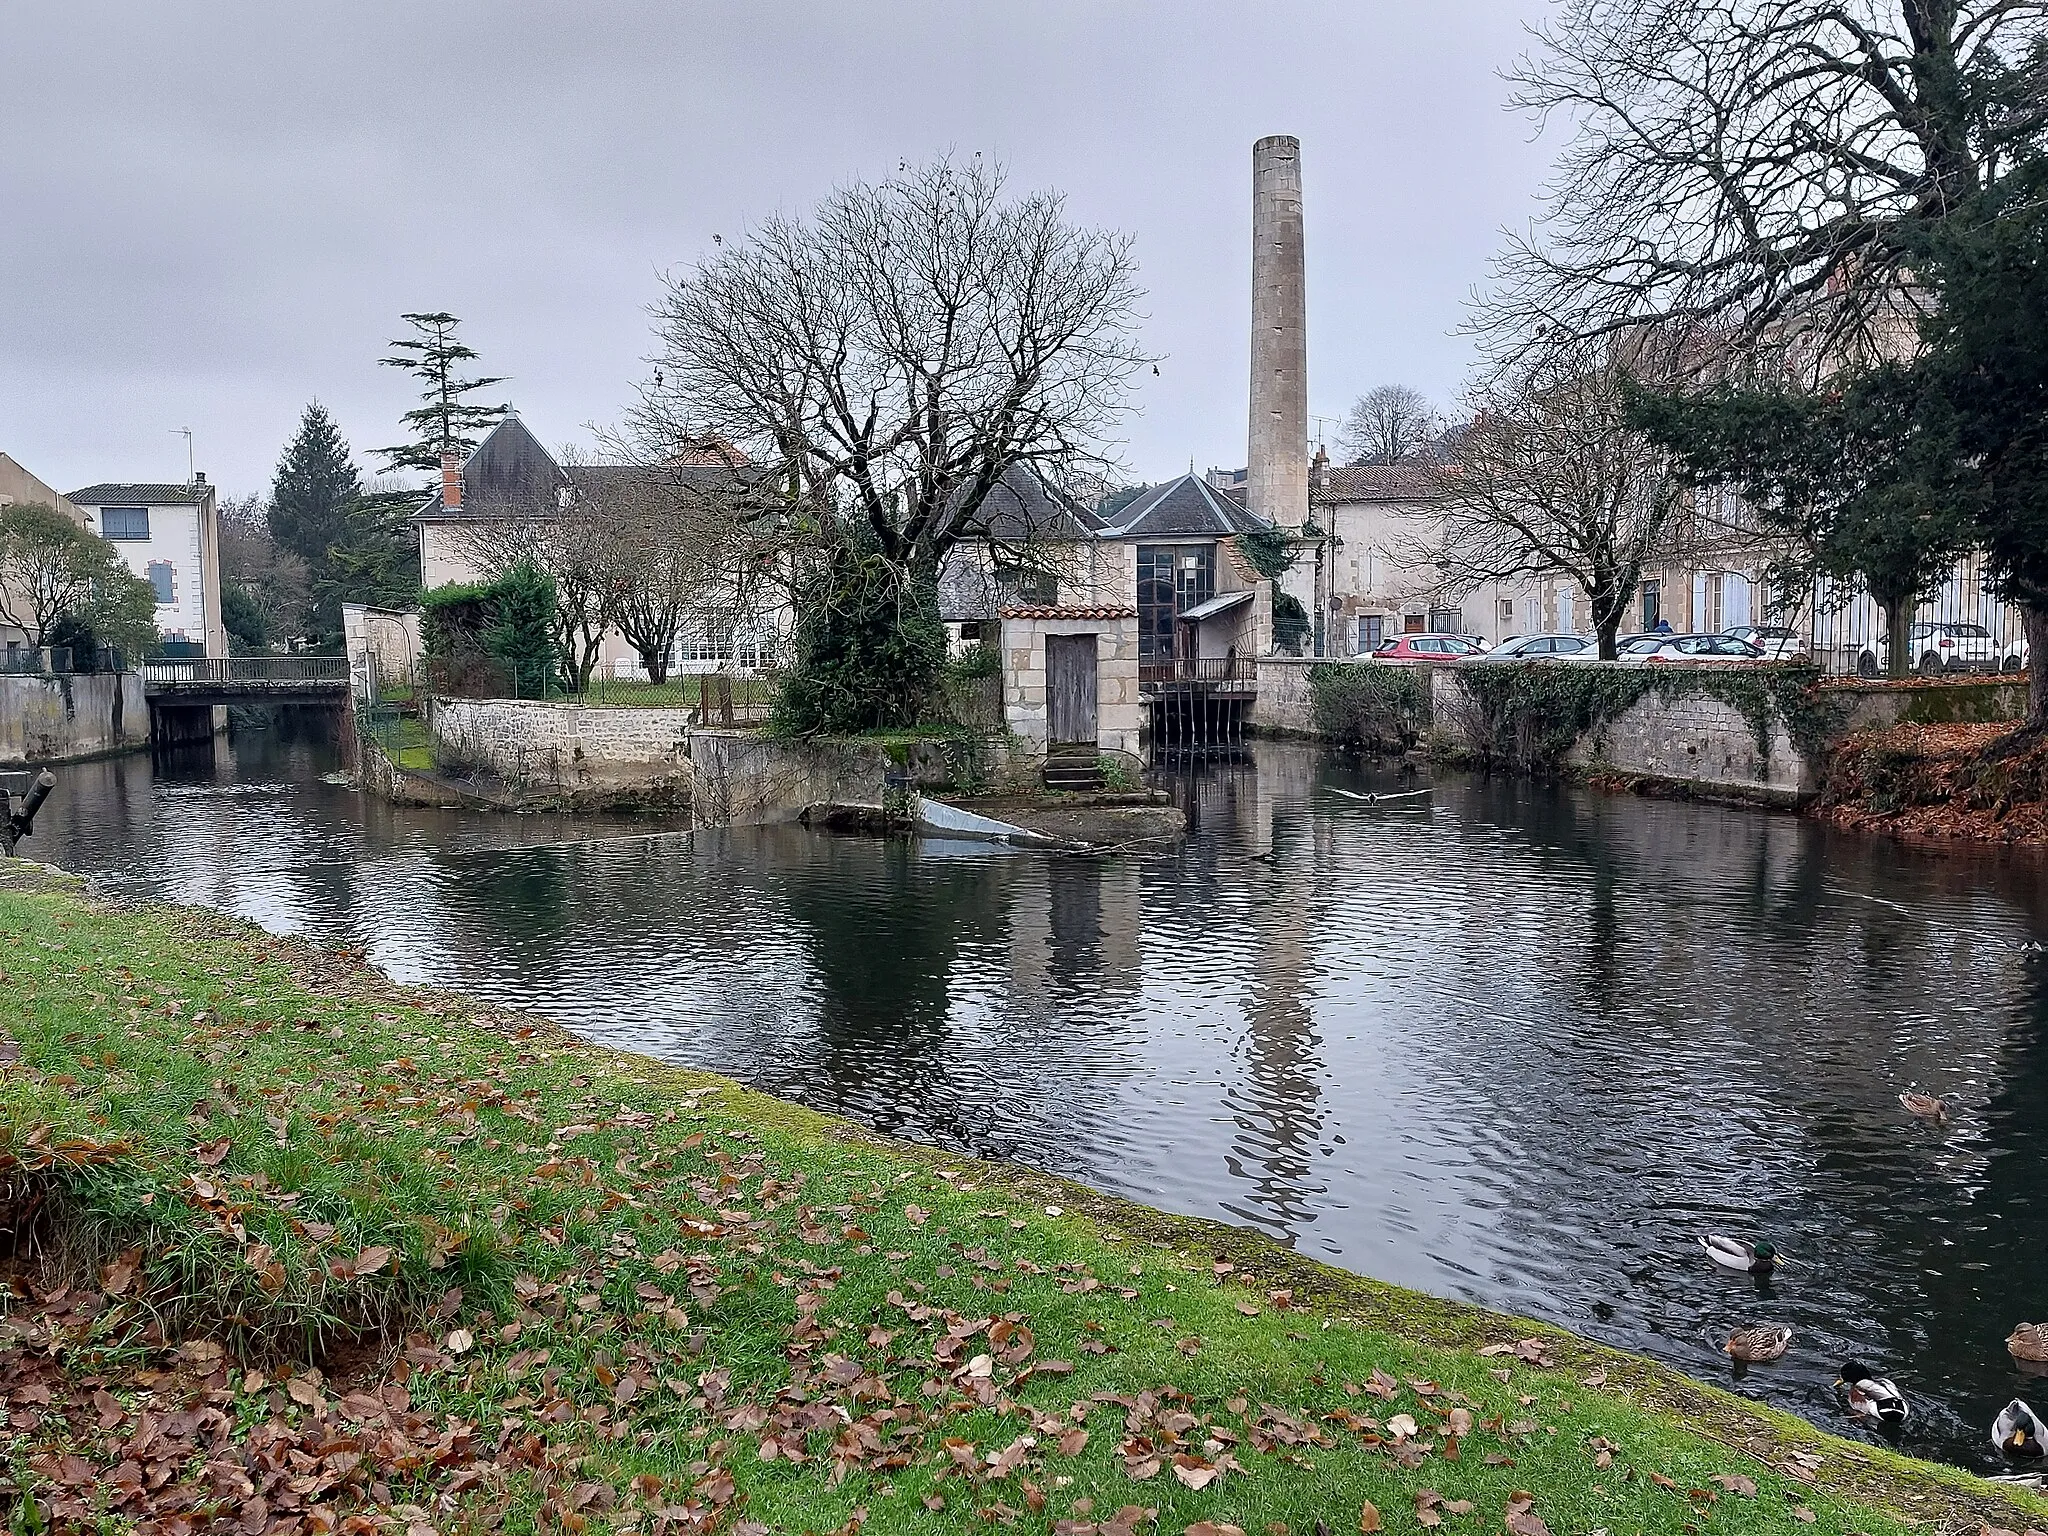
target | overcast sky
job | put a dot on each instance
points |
(215, 212)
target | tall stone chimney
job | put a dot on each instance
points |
(1277, 454)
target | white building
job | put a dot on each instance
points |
(170, 537)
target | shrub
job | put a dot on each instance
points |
(1367, 706)
(502, 629)
(870, 647)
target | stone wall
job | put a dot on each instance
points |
(1698, 742)
(56, 719)
(743, 778)
(1283, 704)
(524, 741)
(1119, 708)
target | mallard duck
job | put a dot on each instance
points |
(1923, 1106)
(2019, 1433)
(1753, 1346)
(1871, 1396)
(1733, 1253)
(2029, 1342)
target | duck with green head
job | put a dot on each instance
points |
(1733, 1253)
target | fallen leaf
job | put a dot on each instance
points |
(211, 1152)
(1734, 1483)
(460, 1342)
(1369, 1517)
(119, 1275)
(370, 1260)
(1522, 1517)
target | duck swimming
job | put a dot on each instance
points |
(1924, 1106)
(2029, 1342)
(1754, 1346)
(2019, 1433)
(1733, 1253)
(1873, 1397)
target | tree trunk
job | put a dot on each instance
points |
(1607, 601)
(1898, 628)
(2036, 622)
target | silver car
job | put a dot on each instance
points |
(1537, 647)
(1714, 650)
(1774, 640)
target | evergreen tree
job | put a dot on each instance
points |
(444, 419)
(315, 485)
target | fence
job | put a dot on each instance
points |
(1963, 628)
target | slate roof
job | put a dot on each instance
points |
(510, 474)
(1187, 507)
(1021, 507)
(1373, 482)
(121, 494)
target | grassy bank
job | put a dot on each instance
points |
(315, 1252)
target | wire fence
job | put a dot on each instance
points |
(1964, 628)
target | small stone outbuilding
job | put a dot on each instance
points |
(1070, 677)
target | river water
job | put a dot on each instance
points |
(1511, 1043)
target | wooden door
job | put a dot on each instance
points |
(1070, 689)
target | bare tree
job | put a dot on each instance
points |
(1388, 425)
(1548, 480)
(889, 359)
(1745, 171)
(51, 569)
(272, 577)
(578, 544)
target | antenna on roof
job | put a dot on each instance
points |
(191, 473)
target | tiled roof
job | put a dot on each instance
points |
(1188, 505)
(1054, 611)
(1374, 482)
(118, 494)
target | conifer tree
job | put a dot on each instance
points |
(444, 418)
(315, 485)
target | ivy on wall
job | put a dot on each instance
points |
(1530, 716)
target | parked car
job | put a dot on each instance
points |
(1776, 642)
(2014, 657)
(1935, 649)
(1539, 647)
(1481, 641)
(1718, 650)
(1425, 648)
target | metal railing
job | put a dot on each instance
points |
(1963, 628)
(249, 671)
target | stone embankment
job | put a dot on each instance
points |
(70, 717)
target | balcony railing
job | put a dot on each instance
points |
(1199, 669)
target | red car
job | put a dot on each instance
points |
(1427, 648)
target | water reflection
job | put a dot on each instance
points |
(1507, 1042)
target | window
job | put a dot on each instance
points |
(1372, 631)
(1171, 580)
(1447, 621)
(1653, 598)
(1507, 610)
(125, 523)
(164, 577)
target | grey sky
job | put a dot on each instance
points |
(216, 212)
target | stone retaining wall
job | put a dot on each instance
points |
(525, 741)
(60, 719)
(1283, 705)
(743, 778)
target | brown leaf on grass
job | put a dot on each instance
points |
(1072, 1442)
(1803, 1515)
(1383, 1386)
(460, 1342)
(370, 1260)
(1215, 1528)
(209, 1153)
(1735, 1483)
(916, 1215)
(1194, 1472)
(119, 1275)
(1369, 1517)
(1522, 1518)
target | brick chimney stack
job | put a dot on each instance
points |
(451, 481)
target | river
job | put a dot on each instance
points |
(1516, 1044)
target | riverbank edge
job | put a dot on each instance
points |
(1901, 1487)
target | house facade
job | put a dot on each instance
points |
(169, 535)
(510, 478)
(20, 488)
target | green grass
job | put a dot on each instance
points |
(247, 1116)
(684, 692)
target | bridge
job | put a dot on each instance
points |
(245, 680)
